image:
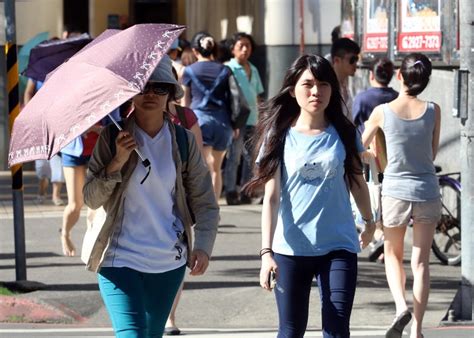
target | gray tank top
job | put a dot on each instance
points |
(410, 173)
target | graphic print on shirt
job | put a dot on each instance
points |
(180, 240)
(319, 168)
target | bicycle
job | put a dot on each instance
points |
(446, 244)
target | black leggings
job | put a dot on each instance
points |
(336, 274)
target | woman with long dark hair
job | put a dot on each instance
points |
(410, 187)
(308, 161)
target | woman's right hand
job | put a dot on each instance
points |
(268, 264)
(124, 145)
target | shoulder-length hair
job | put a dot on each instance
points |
(279, 113)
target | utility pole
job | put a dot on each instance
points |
(301, 19)
(13, 111)
(461, 309)
(392, 24)
(465, 313)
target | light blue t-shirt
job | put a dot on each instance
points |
(315, 215)
(251, 88)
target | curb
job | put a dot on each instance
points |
(24, 310)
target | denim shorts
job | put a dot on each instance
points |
(74, 161)
(397, 212)
(216, 132)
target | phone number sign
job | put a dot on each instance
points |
(419, 42)
(375, 42)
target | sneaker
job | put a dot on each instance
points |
(172, 331)
(40, 199)
(58, 202)
(399, 323)
(232, 198)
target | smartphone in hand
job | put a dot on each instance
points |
(271, 279)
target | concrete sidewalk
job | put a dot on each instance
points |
(226, 302)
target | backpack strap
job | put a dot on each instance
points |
(182, 140)
(208, 93)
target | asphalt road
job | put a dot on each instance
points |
(226, 302)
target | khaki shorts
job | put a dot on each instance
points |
(397, 212)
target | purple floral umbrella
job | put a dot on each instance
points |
(104, 74)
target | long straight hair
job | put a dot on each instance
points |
(279, 113)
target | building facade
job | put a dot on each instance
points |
(281, 28)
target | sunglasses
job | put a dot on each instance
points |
(353, 59)
(157, 88)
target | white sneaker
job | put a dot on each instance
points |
(58, 202)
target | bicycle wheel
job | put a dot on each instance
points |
(447, 239)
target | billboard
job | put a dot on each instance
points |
(375, 26)
(420, 26)
(347, 24)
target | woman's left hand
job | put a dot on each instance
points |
(367, 235)
(199, 262)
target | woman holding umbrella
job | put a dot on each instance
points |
(143, 246)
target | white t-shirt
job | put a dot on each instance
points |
(150, 236)
(348, 101)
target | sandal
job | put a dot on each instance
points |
(69, 249)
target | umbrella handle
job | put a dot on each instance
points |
(145, 162)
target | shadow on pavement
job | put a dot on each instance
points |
(72, 287)
(30, 255)
(218, 285)
(52, 265)
(236, 258)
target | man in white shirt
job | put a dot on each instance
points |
(344, 56)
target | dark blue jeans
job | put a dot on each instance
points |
(239, 147)
(336, 274)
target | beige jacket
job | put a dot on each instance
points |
(193, 189)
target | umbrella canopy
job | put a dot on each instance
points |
(48, 55)
(24, 53)
(97, 80)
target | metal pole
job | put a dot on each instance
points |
(14, 110)
(466, 9)
(301, 27)
(392, 24)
